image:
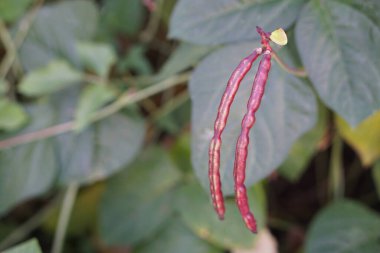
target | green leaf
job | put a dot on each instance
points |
(304, 149)
(218, 22)
(137, 201)
(344, 227)
(10, 10)
(120, 16)
(370, 8)
(197, 212)
(185, 56)
(92, 98)
(12, 115)
(101, 149)
(175, 238)
(55, 31)
(136, 61)
(364, 138)
(57, 75)
(97, 57)
(338, 44)
(30, 246)
(376, 177)
(30, 169)
(287, 111)
(166, 10)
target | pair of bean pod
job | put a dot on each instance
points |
(248, 121)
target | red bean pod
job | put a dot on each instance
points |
(220, 123)
(243, 140)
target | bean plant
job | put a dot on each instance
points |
(125, 124)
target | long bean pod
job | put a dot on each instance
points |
(243, 140)
(220, 123)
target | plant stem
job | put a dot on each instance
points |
(300, 72)
(171, 105)
(22, 231)
(336, 183)
(12, 46)
(125, 99)
(37, 135)
(130, 98)
(64, 217)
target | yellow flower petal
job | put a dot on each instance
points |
(279, 37)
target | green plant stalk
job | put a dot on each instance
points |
(64, 217)
(336, 177)
(300, 72)
(124, 100)
(130, 98)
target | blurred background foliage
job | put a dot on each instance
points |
(106, 108)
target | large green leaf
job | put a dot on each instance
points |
(217, 22)
(101, 149)
(138, 200)
(10, 10)
(288, 110)
(197, 211)
(30, 169)
(338, 44)
(30, 246)
(175, 238)
(344, 227)
(104, 148)
(12, 115)
(304, 149)
(58, 74)
(55, 31)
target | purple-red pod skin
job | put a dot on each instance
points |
(243, 141)
(220, 123)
